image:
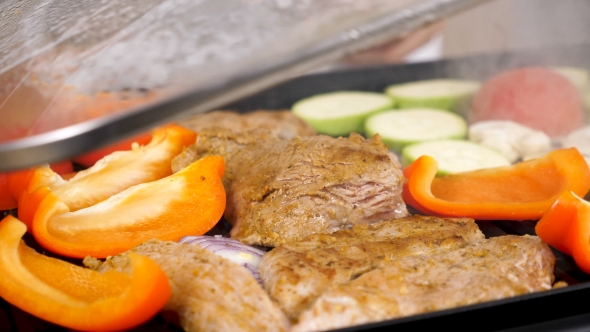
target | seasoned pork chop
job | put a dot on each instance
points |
(209, 293)
(296, 273)
(487, 270)
(284, 190)
(281, 124)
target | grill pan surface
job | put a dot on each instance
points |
(560, 309)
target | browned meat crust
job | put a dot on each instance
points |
(281, 123)
(291, 189)
(283, 190)
(209, 293)
(491, 269)
(296, 273)
(224, 142)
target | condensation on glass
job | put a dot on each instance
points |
(78, 74)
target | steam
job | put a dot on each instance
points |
(483, 66)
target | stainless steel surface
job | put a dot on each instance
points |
(76, 75)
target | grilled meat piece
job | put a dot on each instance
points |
(281, 124)
(224, 142)
(284, 190)
(209, 293)
(296, 273)
(242, 128)
(487, 270)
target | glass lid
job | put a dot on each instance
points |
(79, 74)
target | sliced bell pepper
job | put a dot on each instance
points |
(8, 202)
(523, 191)
(189, 202)
(566, 227)
(62, 168)
(90, 158)
(111, 175)
(73, 296)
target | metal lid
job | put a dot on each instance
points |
(79, 74)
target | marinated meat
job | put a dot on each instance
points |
(209, 293)
(242, 129)
(221, 141)
(296, 273)
(281, 123)
(284, 190)
(487, 270)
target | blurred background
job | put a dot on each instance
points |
(495, 26)
(504, 25)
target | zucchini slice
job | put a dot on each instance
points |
(446, 94)
(399, 128)
(455, 156)
(340, 113)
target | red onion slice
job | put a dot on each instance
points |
(234, 250)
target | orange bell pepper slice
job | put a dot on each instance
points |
(62, 168)
(90, 158)
(566, 227)
(110, 175)
(189, 202)
(73, 296)
(523, 191)
(8, 202)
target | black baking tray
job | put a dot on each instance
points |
(560, 309)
